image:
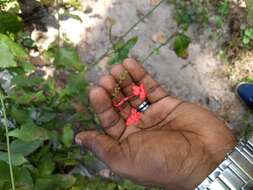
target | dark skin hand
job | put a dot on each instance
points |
(177, 144)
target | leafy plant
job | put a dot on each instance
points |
(248, 79)
(248, 36)
(247, 131)
(181, 44)
(190, 12)
(224, 8)
(37, 107)
(10, 23)
(46, 113)
(121, 50)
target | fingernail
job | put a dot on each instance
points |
(78, 141)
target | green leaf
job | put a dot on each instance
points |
(122, 50)
(45, 184)
(40, 153)
(126, 184)
(248, 79)
(181, 44)
(26, 65)
(67, 181)
(249, 33)
(19, 115)
(68, 58)
(246, 40)
(219, 21)
(46, 165)
(46, 117)
(157, 50)
(67, 136)
(224, 8)
(23, 179)
(76, 84)
(6, 57)
(119, 45)
(27, 98)
(55, 182)
(10, 23)
(24, 148)
(17, 159)
(23, 81)
(4, 171)
(17, 50)
(30, 132)
(67, 14)
(28, 42)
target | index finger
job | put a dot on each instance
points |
(112, 123)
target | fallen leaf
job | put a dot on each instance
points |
(153, 2)
(159, 38)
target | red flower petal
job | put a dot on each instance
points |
(140, 91)
(136, 90)
(143, 93)
(134, 118)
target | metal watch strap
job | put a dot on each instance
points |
(235, 172)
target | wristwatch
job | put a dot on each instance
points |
(235, 172)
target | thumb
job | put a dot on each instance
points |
(103, 146)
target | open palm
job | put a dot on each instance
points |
(176, 145)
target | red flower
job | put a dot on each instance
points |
(139, 91)
(134, 118)
(122, 102)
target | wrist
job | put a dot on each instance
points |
(235, 172)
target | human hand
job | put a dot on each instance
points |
(176, 145)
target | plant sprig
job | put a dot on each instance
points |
(110, 50)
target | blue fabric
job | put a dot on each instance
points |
(245, 91)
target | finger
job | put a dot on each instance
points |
(111, 121)
(126, 85)
(109, 84)
(104, 147)
(139, 75)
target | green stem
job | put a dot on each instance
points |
(109, 50)
(7, 141)
(159, 47)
